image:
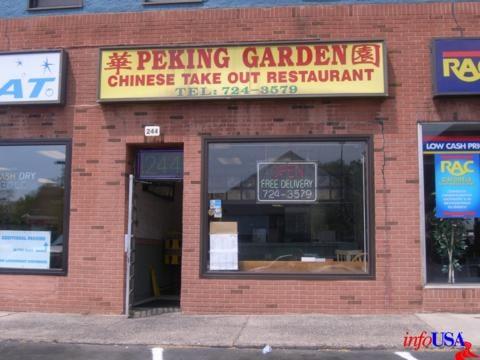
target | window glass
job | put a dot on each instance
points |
(32, 205)
(452, 202)
(287, 207)
(54, 3)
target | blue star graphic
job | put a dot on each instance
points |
(46, 66)
(19, 62)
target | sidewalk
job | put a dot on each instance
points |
(281, 331)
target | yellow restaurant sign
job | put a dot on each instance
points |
(306, 70)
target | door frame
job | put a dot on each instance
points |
(129, 239)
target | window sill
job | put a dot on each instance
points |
(452, 286)
(56, 8)
(52, 272)
(284, 276)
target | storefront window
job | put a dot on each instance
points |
(452, 202)
(33, 203)
(283, 207)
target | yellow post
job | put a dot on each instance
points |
(155, 287)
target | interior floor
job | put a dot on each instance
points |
(161, 302)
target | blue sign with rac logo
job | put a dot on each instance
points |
(456, 66)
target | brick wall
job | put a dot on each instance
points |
(102, 136)
(15, 8)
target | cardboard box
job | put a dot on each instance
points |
(223, 227)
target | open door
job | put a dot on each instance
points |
(130, 250)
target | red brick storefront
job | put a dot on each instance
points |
(102, 136)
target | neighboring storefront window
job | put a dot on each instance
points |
(451, 177)
(34, 182)
(43, 4)
(283, 207)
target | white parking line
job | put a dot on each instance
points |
(406, 355)
(157, 354)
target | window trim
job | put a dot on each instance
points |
(66, 207)
(421, 194)
(370, 211)
(59, 7)
(166, 2)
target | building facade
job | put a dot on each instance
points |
(341, 178)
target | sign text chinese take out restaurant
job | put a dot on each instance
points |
(246, 71)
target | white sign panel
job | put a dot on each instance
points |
(223, 252)
(25, 249)
(152, 130)
(31, 78)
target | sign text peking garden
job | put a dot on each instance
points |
(243, 71)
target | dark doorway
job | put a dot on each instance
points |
(156, 241)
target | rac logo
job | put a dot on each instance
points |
(456, 168)
(466, 70)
